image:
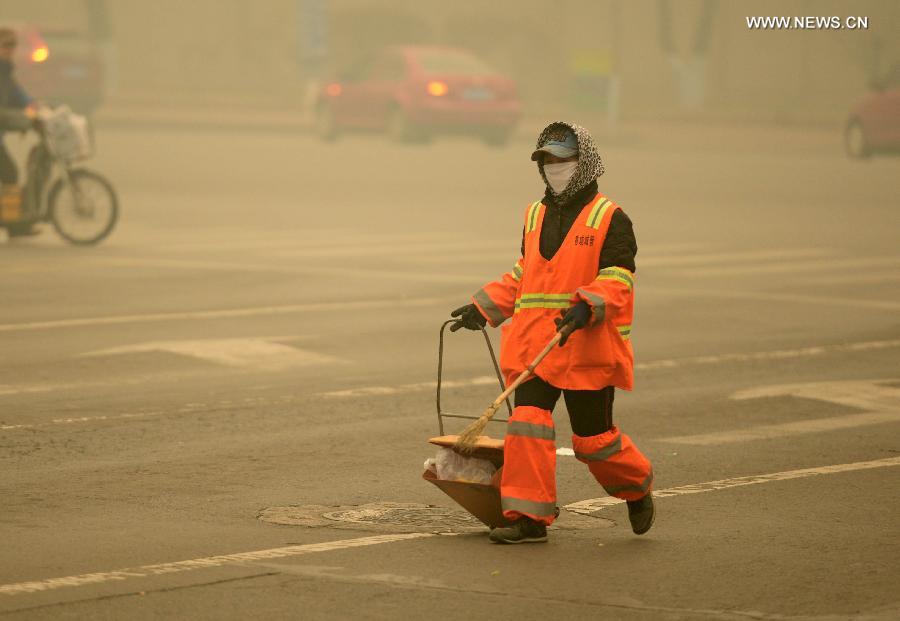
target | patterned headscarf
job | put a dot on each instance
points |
(589, 164)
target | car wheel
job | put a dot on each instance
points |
(855, 140)
(326, 128)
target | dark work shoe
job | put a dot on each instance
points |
(641, 513)
(523, 530)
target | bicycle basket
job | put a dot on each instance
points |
(68, 134)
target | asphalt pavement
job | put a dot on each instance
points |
(223, 410)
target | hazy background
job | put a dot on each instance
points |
(692, 59)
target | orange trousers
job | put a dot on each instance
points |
(528, 480)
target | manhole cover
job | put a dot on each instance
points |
(401, 517)
(406, 514)
(395, 517)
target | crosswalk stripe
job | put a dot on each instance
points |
(770, 432)
(262, 354)
(879, 398)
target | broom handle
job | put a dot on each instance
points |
(530, 369)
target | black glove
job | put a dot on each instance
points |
(469, 317)
(576, 318)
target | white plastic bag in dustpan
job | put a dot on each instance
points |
(451, 466)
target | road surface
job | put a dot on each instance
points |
(255, 347)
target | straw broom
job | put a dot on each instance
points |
(469, 437)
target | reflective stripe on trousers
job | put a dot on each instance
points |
(528, 482)
(616, 463)
(538, 511)
(530, 430)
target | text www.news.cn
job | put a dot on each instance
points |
(808, 22)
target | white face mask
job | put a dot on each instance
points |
(558, 175)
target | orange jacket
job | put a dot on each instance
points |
(536, 291)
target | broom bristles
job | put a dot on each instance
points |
(469, 437)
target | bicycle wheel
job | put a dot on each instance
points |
(87, 213)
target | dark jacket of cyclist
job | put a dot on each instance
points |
(13, 100)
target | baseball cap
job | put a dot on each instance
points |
(566, 146)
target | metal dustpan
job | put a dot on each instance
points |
(481, 500)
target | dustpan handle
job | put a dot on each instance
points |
(440, 373)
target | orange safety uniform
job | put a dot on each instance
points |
(534, 293)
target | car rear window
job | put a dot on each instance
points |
(453, 63)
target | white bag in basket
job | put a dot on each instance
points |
(68, 134)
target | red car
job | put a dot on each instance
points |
(874, 123)
(413, 92)
(59, 66)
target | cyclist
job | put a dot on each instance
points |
(17, 113)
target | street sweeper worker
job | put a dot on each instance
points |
(576, 269)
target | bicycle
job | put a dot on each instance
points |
(80, 203)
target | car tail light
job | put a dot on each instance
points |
(40, 54)
(436, 88)
(333, 90)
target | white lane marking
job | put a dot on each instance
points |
(414, 249)
(145, 571)
(12, 389)
(321, 239)
(796, 266)
(771, 432)
(586, 507)
(426, 252)
(347, 306)
(874, 394)
(367, 391)
(188, 408)
(758, 296)
(778, 354)
(79, 419)
(681, 260)
(880, 400)
(442, 276)
(863, 277)
(257, 353)
(565, 451)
